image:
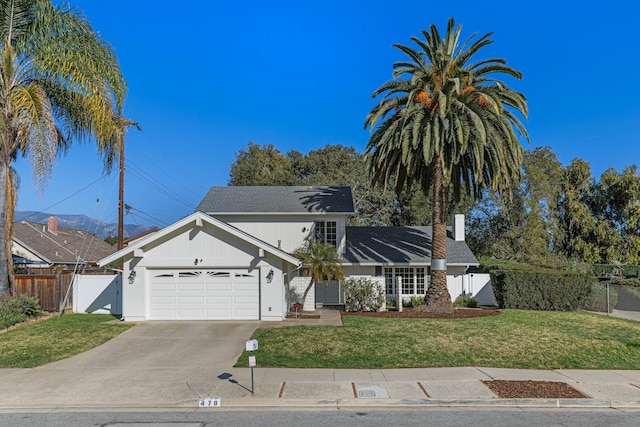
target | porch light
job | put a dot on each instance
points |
(132, 277)
(270, 276)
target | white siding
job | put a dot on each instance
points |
(298, 285)
(289, 231)
(204, 247)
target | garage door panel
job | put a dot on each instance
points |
(204, 295)
(163, 300)
(186, 300)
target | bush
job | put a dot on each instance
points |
(416, 301)
(541, 289)
(463, 301)
(16, 309)
(391, 303)
(363, 294)
(597, 300)
(622, 271)
(10, 312)
(30, 305)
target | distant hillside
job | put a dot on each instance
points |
(83, 222)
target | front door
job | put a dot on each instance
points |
(328, 292)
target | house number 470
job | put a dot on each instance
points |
(206, 402)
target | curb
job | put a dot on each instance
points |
(337, 404)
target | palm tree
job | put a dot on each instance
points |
(322, 260)
(59, 82)
(449, 125)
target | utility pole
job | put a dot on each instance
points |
(125, 125)
(121, 193)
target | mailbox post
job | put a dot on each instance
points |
(251, 346)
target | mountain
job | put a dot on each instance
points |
(83, 222)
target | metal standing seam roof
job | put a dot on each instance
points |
(62, 248)
(277, 199)
(400, 245)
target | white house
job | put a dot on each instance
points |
(231, 259)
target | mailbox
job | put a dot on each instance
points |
(251, 345)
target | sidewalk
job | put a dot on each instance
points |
(276, 387)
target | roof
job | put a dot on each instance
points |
(400, 245)
(196, 219)
(63, 247)
(280, 200)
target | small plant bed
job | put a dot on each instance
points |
(410, 313)
(507, 389)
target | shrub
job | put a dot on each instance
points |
(597, 300)
(10, 311)
(391, 303)
(622, 271)
(541, 289)
(363, 294)
(16, 309)
(463, 301)
(416, 301)
(30, 306)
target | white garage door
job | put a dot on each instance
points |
(203, 295)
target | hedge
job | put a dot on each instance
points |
(541, 289)
(597, 301)
(626, 270)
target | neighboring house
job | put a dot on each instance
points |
(231, 259)
(49, 246)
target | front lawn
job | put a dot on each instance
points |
(56, 338)
(515, 339)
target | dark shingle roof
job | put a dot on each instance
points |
(63, 247)
(265, 199)
(398, 245)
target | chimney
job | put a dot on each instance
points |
(52, 225)
(458, 228)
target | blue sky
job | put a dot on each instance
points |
(207, 77)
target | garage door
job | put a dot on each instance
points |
(203, 295)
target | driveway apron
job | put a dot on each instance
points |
(151, 364)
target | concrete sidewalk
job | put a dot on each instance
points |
(118, 388)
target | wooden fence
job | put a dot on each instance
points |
(50, 289)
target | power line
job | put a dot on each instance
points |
(137, 172)
(68, 197)
(176, 167)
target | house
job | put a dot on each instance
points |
(232, 258)
(49, 246)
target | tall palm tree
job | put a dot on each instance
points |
(450, 125)
(59, 82)
(322, 260)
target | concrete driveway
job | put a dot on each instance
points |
(151, 364)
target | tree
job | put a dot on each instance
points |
(445, 121)
(322, 260)
(524, 225)
(59, 82)
(261, 165)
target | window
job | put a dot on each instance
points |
(326, 232)
(388, 281)
(412, 279)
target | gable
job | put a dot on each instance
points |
(277, 199)
(184, 236)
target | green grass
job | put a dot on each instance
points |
(515, 339)
(56, 338)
